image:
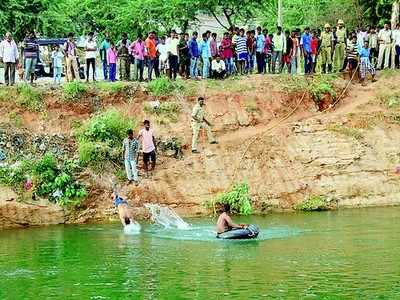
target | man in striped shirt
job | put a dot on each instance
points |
(241, 51)
(352, 55)
(31, 53)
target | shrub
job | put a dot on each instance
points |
(166, 112)
(101, 137)
(163, 86)
(74, 90)
(111, 87)
(314, 203)
(29, 98)
(50, 180)
(238, 198)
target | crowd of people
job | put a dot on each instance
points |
(238, 51)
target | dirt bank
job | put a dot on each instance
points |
(347, 154)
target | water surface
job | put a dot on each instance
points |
(349, 254)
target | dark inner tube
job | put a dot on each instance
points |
(249, 232)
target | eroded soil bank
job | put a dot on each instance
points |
(271, 135)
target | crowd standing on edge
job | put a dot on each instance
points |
(237, 52)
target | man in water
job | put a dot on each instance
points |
(225, 222)
(123, 210)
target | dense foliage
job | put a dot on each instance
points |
(100, 138)
(238, 198)
(314, 203)
(53, 180)
(57, 18)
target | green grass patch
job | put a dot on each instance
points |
(317, 86)
(163, 86)
(74, 90)
(100, 138)
(347, 131)
(238, 197)
(251, 106)
(390, 97)
(15, 119)
(52, 180)
(165, 113)
(314, 203)
(111, 87)
(4, 95)
(29, 98)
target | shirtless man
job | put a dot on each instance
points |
(123, 210)
(225, 222)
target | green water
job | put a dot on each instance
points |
(349, 254)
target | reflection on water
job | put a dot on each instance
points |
(349, 254)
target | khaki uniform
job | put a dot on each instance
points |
(124, 63)
(340, 48)
(198, 115)
(385, 40)
(326, 49)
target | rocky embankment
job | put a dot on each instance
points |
(348, 154)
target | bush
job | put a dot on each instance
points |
(238, 198)
(74, 90)
(166, 112)
(163, 86)
(57, 183)
(101, 137)
(111, 87)
(314, 203)
(29, 98)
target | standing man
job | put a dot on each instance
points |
(205, 54)
(385, 41)
(260, 56)
(105, 45)
(227, 53)
(287, 59)
(396, 41)
(194, 55)
(151, 50)
(373, 45)
(241, 52)
(340, 47)
(9, 56)
(198, 122)
(138, 50)
(130, 151)
(213, 45)
(146, 135)
(279, 41)
(184, 56)
(71, 56)
(90, 55)
(31, 54)
(124, 61)
(173, 55)
(305, 45)
(325, 50)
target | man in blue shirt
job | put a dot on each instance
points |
(365, 63)
(194, 55)
(105, 45)
(305, 45)
(205, 55)
(260, 56)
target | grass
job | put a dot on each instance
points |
(111, 87)
(344, 130)
(317, 86)
(251, 106)
(29, 98)
(15, 119)
(4, 95)
(314, 203)
(165, 113)
(163, 86)
(73, 91)
(390, 97)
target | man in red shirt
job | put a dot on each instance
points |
(151, 49)
(314, 50)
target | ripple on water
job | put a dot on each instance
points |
(207, 233)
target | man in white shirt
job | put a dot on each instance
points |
(384, 40)
(218, 68)
(90, 55)
(9, 56)
(162, 51)
(396, 41)
(173, 55)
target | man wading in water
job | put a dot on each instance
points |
(225, 222)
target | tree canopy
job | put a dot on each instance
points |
(57, 18)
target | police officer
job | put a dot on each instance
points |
(199, 121)
(326, 49)
(340, 48)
